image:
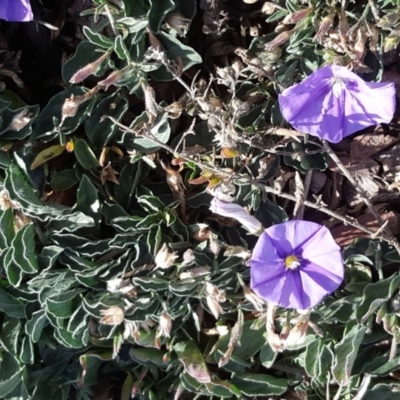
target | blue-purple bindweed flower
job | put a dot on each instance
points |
(296, 264)
(334, 102)
(16, 10)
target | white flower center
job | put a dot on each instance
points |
(338, 86)
(292, 262)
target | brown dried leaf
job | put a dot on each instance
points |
(368, 144)
(344, 235)
(108, 173)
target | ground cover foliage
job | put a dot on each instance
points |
(116, 130)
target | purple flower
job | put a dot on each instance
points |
(16, 10)
(296, 264)
(232, 210)
(333, 103)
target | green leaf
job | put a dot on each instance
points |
(307, 162)
(148, 357)
(35, 325)
(346, 352)
(9, 384)
(87, 199)
(121, 49)
(7, 231)
(9, 335)
(11, 306)
(23, 253)
(268, 213)
(13, 272)
(126, 393)
(85, 155)
(382, 391)
(101, 131)
(191, 358)
(97, 38)
(27, 354)
(157, 12)
(374, 295)
(62, 306)
(259, 384)
(64, 180)
(132, 25)
(267, 356)
(161, 130)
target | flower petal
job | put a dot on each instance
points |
(268, 280)
(287, 237)
(333, 103)
(265, 250)
(311, 247)
(16, 10)
(293, 295)
(317, 283)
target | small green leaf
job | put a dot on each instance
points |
(259, 384)
(27, 355)
(101, 131)
(157, 12)
(7, 231)
(35, 325)
(121, 49)
(9, 335)
(11, 306)
(97, 38)
(9, 384)
(148, 357)
(23, 253)
(64, 180)
(85, 155)
(346, 352)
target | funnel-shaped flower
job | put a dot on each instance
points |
(296, 264)
(333, 103)
(232, 210)
(16, 10)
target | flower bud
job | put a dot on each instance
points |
(280, 39)
(111, 79)
(164, 259)
(231, 210)
(323, 28)
(194, 273)
(150, 101)
(297, 16)
(214, 306)
(20, 120)
(112, 316)
(165, 325)
(88, 70)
